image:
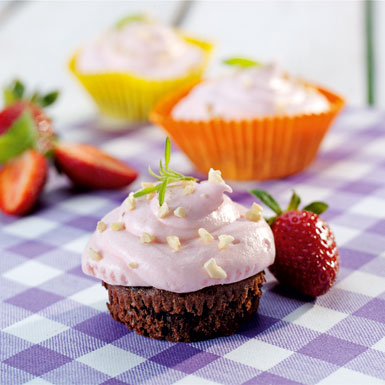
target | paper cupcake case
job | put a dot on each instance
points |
(125, 96)
(258, 149)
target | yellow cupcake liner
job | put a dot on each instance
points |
(126, 96)
(255, 149)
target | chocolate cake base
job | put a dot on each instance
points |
(207, 313)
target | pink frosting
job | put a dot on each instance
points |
(143, 48)
(183, 270)
(249, 93)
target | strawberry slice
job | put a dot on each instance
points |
(21, 182)
(89, 167)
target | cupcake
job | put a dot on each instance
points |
(133, 65)
(253, 123)
(181, 261)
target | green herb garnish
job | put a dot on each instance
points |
(166, 176)
(130, 18)
(241, 62)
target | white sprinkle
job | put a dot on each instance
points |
(180, 212)
(213, 270)
(146, 185)
(254, 214)
(147, 238)
(133, 265)
(173, 242)
(189, 188)
(130, 202)
(224, 241)
(205, 235)
(101, 226)
(163, 210)
(209, 108)
(215, 176)
(117, 226)
(203, 195)
(94, 255)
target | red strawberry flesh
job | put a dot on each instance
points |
(89, 167)
(21, 182)
(9, 115)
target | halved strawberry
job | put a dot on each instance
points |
(21, 181)
(89, 167)
(17, 103)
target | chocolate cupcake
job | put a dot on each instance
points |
(180, 260)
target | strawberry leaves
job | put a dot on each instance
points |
(44, 100)
(294, 202)
(314, 207)
(15, 91)
(268, 200)
(165, 177)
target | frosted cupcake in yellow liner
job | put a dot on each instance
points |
(133, 65)
(254, 123)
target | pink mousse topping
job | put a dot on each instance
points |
(250, 93)
(142, 48)
(120, 258)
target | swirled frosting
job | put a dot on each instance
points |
(250, 93)
(123, 260)
(143, 48)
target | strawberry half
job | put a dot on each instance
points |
(21, 182)
(17, 103)
(307, 258)
(89, 167)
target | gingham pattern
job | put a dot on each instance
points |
(55, 325)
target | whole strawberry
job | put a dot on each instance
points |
(307, 258)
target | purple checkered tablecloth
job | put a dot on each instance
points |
(55, 328)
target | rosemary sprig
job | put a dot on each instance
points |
(165, 177)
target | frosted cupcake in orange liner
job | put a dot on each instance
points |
(256, 122)
(134, 64)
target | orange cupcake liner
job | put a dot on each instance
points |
(256, 149)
